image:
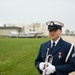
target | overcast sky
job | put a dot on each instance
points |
(32, 11)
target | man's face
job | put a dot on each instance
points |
(54, 34)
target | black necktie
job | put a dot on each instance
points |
(53, 45)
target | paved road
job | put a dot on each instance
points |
(70, 39)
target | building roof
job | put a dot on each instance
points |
(14, 27)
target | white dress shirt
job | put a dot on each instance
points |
(55, 42)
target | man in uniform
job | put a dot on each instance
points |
(59, 50)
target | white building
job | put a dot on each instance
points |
(39, 28)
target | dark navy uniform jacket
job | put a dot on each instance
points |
(62, 67)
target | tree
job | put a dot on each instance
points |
(72, 33)
(67, 32)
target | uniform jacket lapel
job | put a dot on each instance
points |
(49, 46)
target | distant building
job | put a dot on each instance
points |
(39, 28)
(22, 29)
(5, 30)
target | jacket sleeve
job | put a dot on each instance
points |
(69, 66)
(38, 60)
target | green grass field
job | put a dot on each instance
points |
(17, 55)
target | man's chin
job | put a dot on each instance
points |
(53, 38)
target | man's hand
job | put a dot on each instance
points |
(50, 69)
(41, 66)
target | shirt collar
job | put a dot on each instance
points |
(55, 42)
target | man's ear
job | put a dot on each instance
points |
(61, 30)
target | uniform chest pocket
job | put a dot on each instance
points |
(59, 57)
(43, 57)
